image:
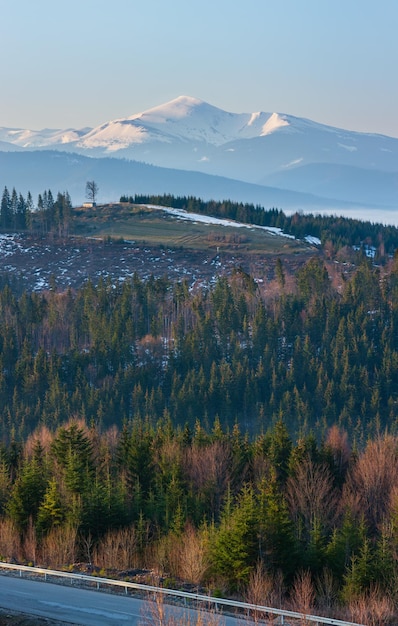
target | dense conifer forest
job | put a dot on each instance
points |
(217, 435)
(141, 350)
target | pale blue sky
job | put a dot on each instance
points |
(79, 63)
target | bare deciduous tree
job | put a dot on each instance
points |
(208, 470)
(327, 590)
(337, 444)
(311, 494)
(91, 190)
(303, 595)
(262, 591)
(41, 435)
(193, 556)
(371, 482)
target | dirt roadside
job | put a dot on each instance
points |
(8, 618)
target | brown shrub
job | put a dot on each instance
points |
(10, 545)
(157, 613)
(117, 549)
(372, 609)
(262, 590)
(59, 547)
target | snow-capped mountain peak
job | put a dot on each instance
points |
(175, 109)
(182, 119)
(274, 148)
(47, 137)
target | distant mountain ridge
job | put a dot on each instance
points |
(268, 149)
(38, 170)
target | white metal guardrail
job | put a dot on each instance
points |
(193, 597)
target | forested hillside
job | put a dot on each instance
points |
(208, 407)
(221, 434)
(306, 526)
(139, 349)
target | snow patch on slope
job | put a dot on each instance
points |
(314, 241)
(293, 163)
(349, 148)
(207, 219)
(274, 122)
(114, 136)
(253, 118)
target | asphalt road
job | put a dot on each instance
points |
(66, 604)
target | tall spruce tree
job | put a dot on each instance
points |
(5, 210)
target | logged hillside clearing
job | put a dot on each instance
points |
(117, 241)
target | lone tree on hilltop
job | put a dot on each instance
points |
(91, 190)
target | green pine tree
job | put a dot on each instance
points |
(234, 547)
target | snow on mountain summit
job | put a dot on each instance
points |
(191, 119)
(183, 119)
(173, 110)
